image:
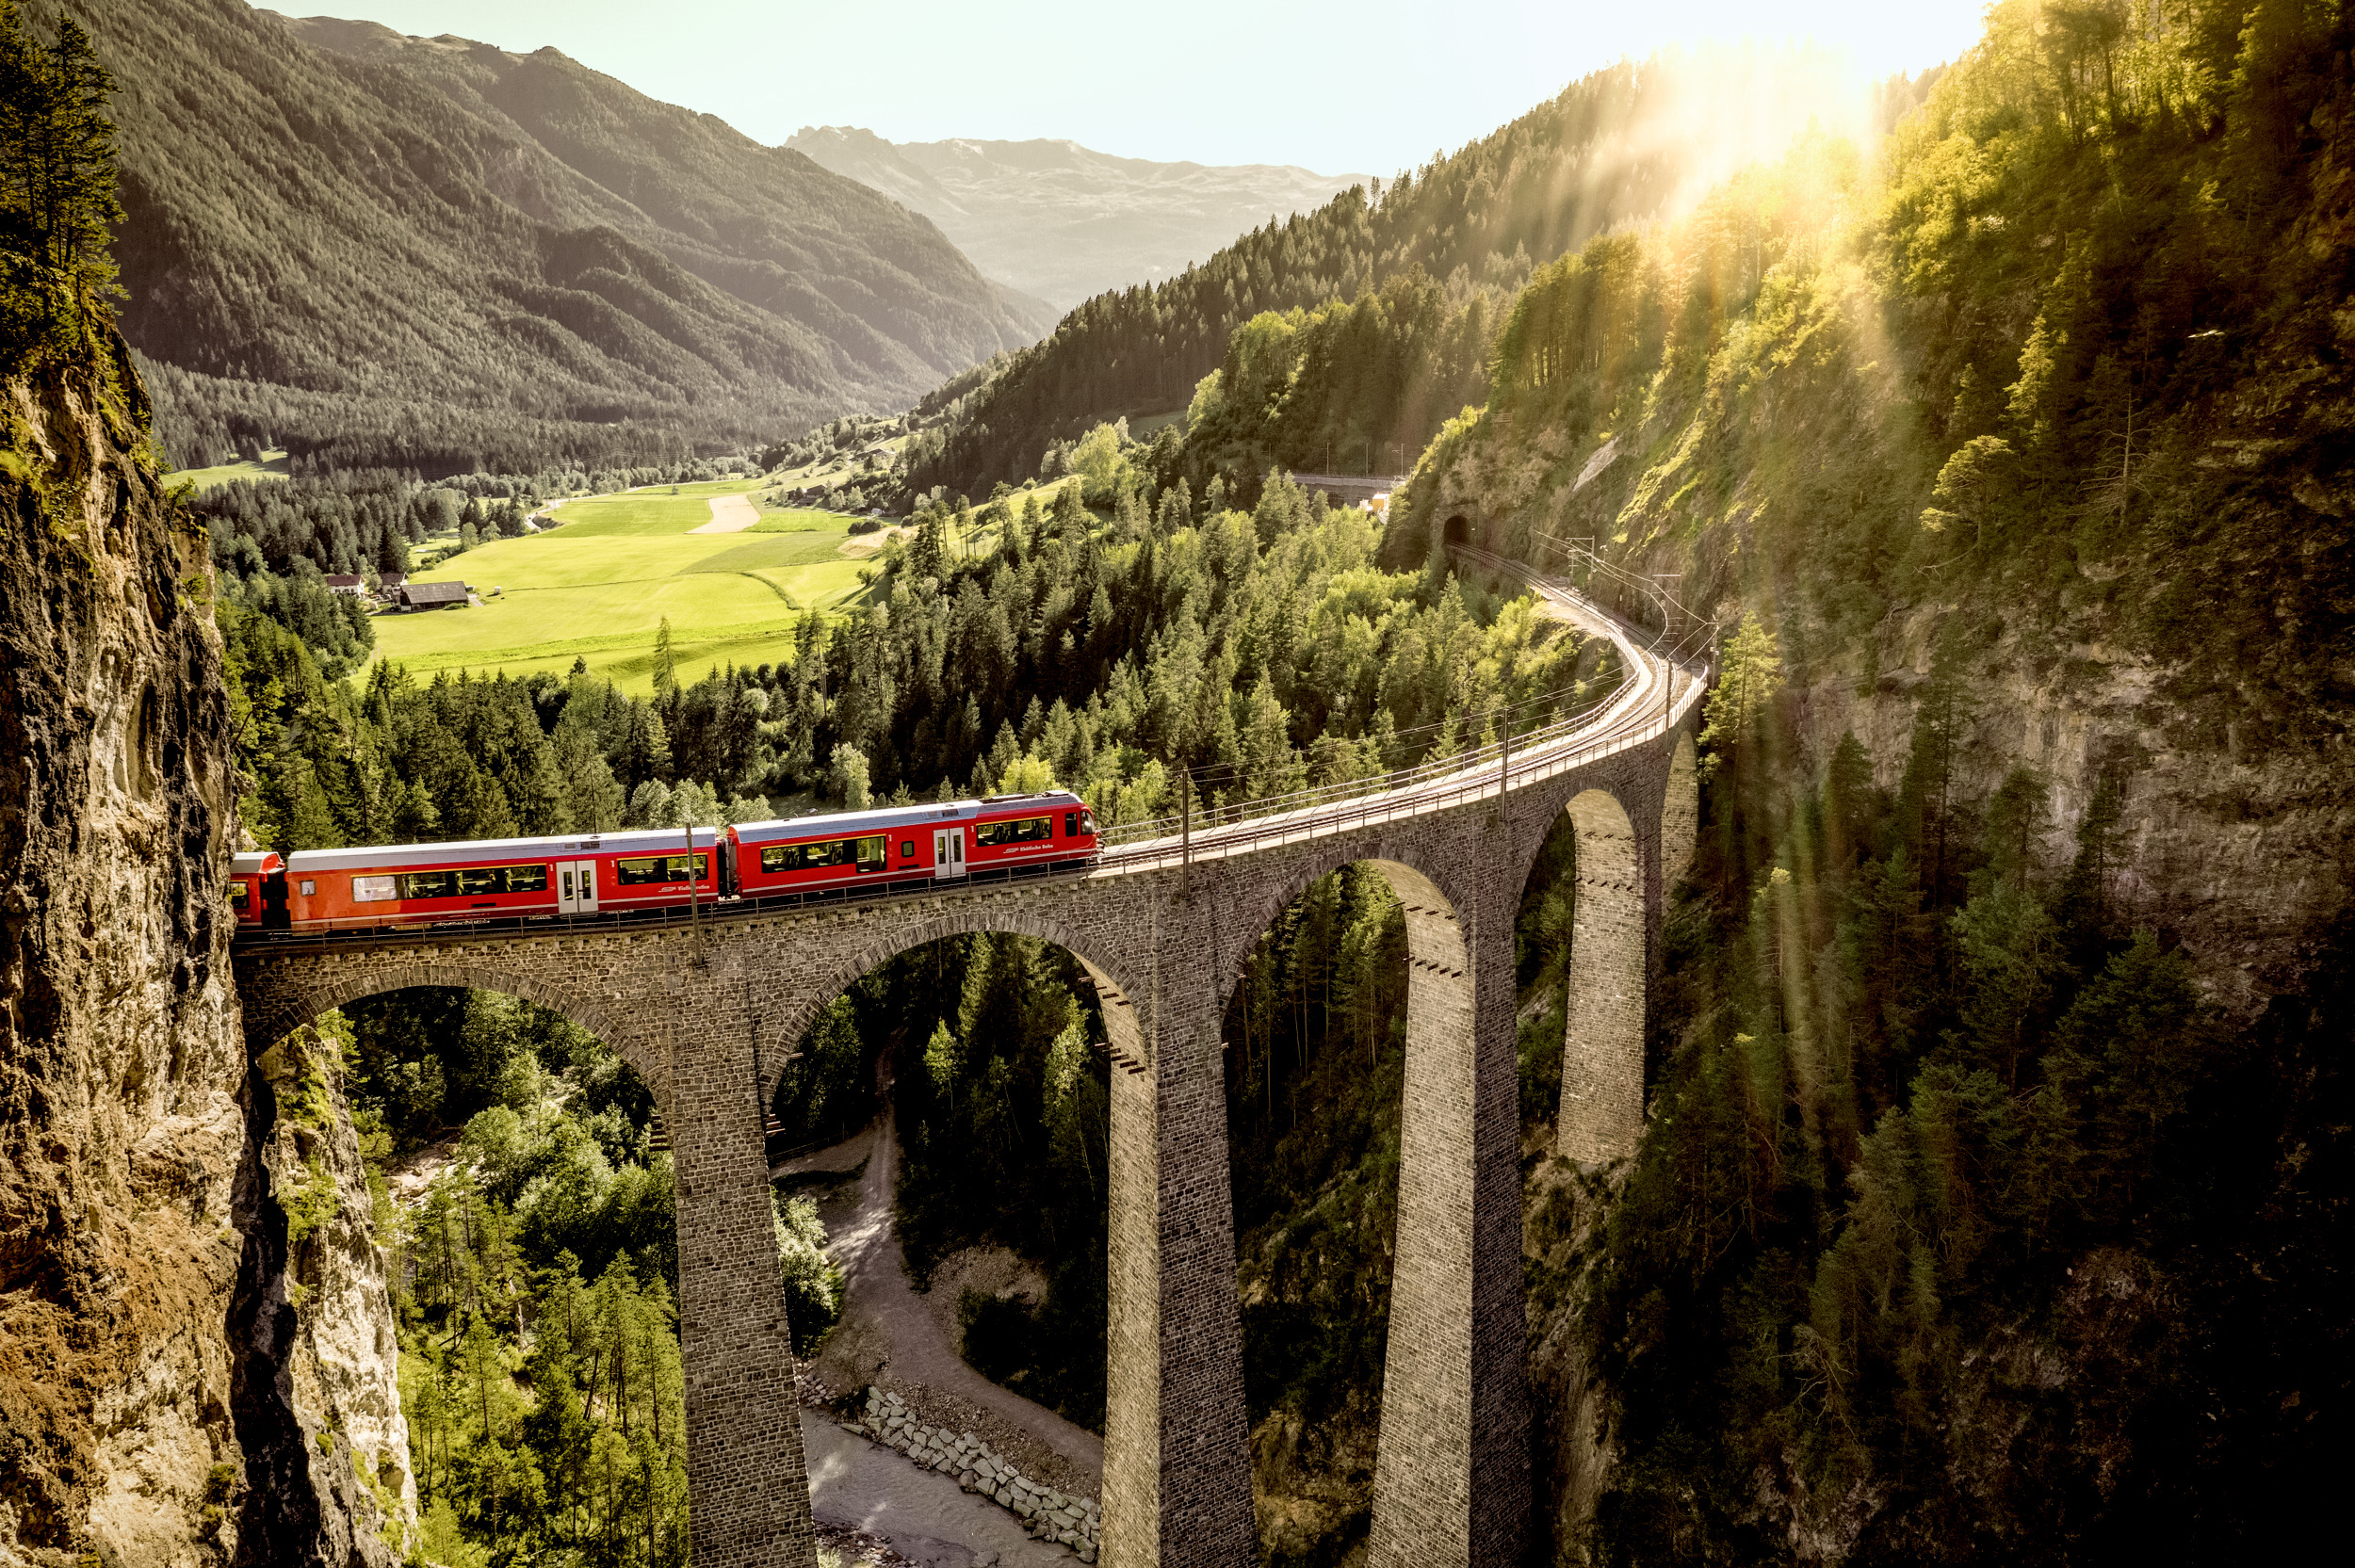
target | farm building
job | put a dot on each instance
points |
(417, 596)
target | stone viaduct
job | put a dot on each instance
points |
(1164, 929)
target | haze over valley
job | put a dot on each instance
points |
(1063, 222)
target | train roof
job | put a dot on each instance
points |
(850, 824)
(641, 841)
(254, 862)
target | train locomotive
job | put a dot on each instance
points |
(646, 870)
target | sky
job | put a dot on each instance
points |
(1369, 87)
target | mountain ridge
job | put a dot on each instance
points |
(433, 254)
(1062, 221)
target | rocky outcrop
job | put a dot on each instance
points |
(120, 1059)
(185, 1378)
(322, 1349)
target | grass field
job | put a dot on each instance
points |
(273, 466)
(598, 586)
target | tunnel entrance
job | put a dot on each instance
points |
(1457, 531)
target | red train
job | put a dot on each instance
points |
(653, 868)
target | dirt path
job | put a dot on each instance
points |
(889, 1335)
(927, 1517)
(730, 514)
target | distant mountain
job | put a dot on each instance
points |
(1620, 146)
(433, 254)
(1056, 220)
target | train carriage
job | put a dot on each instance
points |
(643, 870)
(927, 843)
(412, 884)
(252, 882)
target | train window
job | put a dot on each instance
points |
(1021, 830)
(907, 848)
(659, 868)
(472, 883)
(1071, 824)
(309, 888)
(237, 895)
(867, 854)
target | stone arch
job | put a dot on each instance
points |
(1456, 530)
(287, 1010)
(1267, 900)
(1423, 1486)
(811, 996)
(1601, 1113)
(1680, 812)
(1142, 1311)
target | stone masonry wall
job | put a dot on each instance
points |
(1602, 1044)
(1067, 1520)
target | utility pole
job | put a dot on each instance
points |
(1185, 818)
(1667, 633)
(694, 913)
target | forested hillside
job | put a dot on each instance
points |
(1993, 1200)
(1620, 146)
(376, 250)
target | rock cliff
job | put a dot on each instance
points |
(139, 1231)
(317, 1329)
(121, 1059)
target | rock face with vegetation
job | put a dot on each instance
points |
(121, 1058)
(320, 1332)
(141, 1418)
(1993, 1182)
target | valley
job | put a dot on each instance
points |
(1063, 222)
(1754, 969)
(598, 586)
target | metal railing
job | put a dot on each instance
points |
(1648, 704)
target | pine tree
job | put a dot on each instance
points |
(665, 665)
(57, 200)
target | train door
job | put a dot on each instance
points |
(948, 852)
(576, 887)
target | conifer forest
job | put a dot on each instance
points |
(1980, 431)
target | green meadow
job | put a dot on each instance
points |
(270, 465)
(598, 587)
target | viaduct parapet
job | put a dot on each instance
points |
(705, 1013)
